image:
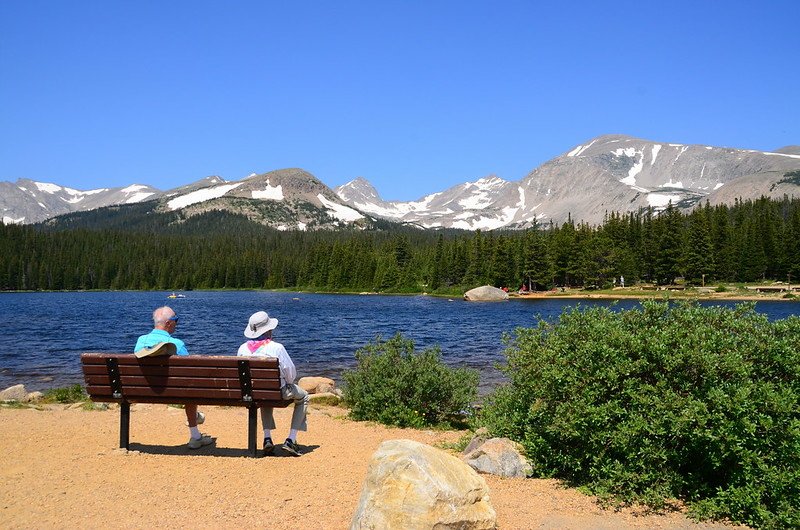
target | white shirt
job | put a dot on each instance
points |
(276, 351)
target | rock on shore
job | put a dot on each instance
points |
(485, 293)
(19, 393)
(411, 485)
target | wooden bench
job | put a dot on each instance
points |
(194, 379)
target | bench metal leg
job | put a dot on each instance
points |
(252, 416)
(124, 424)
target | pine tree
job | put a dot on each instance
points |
(699, 252)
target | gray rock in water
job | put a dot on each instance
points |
(485, 293)
(498, 456)
(413, 486)
(14, 393)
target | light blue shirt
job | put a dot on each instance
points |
(159, 335)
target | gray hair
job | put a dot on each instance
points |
(162, 314)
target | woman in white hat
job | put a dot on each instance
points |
(259, 331)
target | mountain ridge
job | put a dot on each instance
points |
(609, 173)
(616, 173)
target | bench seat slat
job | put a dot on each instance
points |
(195, 401)
(132, 393)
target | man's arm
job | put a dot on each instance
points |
(180, 346)
(288, 370)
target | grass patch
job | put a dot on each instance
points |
(66, 394)
(459, 445)
(14, 405)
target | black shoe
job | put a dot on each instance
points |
(291, 447)
(268, 446)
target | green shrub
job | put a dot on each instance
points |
(67, 394)
(669, 401)
(394, 385)
(721, 289)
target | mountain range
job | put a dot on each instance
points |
(612, 173)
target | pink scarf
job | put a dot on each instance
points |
(254, 345)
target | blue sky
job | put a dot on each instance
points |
(413, 96)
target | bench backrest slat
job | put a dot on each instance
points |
(201, 379)
(183, 371)
(221, 361)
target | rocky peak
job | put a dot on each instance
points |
(358, 190)
(789, 150)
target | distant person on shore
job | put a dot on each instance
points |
(259, 330)
(164, 323)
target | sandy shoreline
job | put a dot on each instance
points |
(62, 470)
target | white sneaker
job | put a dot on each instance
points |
(200, 418)
(200, 442)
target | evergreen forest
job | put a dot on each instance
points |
(749, 241)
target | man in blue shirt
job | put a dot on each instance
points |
(164, 323)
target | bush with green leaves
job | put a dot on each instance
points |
(666, 401)
(394, 385)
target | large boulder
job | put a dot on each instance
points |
(498, 456)
(14, 393)
(317, 385)
(485, 293)
(412, 486)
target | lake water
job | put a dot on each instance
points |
(43, 334)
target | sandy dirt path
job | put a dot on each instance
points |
(61, 469)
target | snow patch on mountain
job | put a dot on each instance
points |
(339, 211)
(476, 202)
(134, 188)
(670, 184)
(783, 154)
(656, 149)
(273, 193)
(661, 200)
(47, 187)
(138, 197)
(201, 195)
(581, 148)
(638, 165)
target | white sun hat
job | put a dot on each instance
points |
(259, 324)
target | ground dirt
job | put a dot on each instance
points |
(61, 469)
